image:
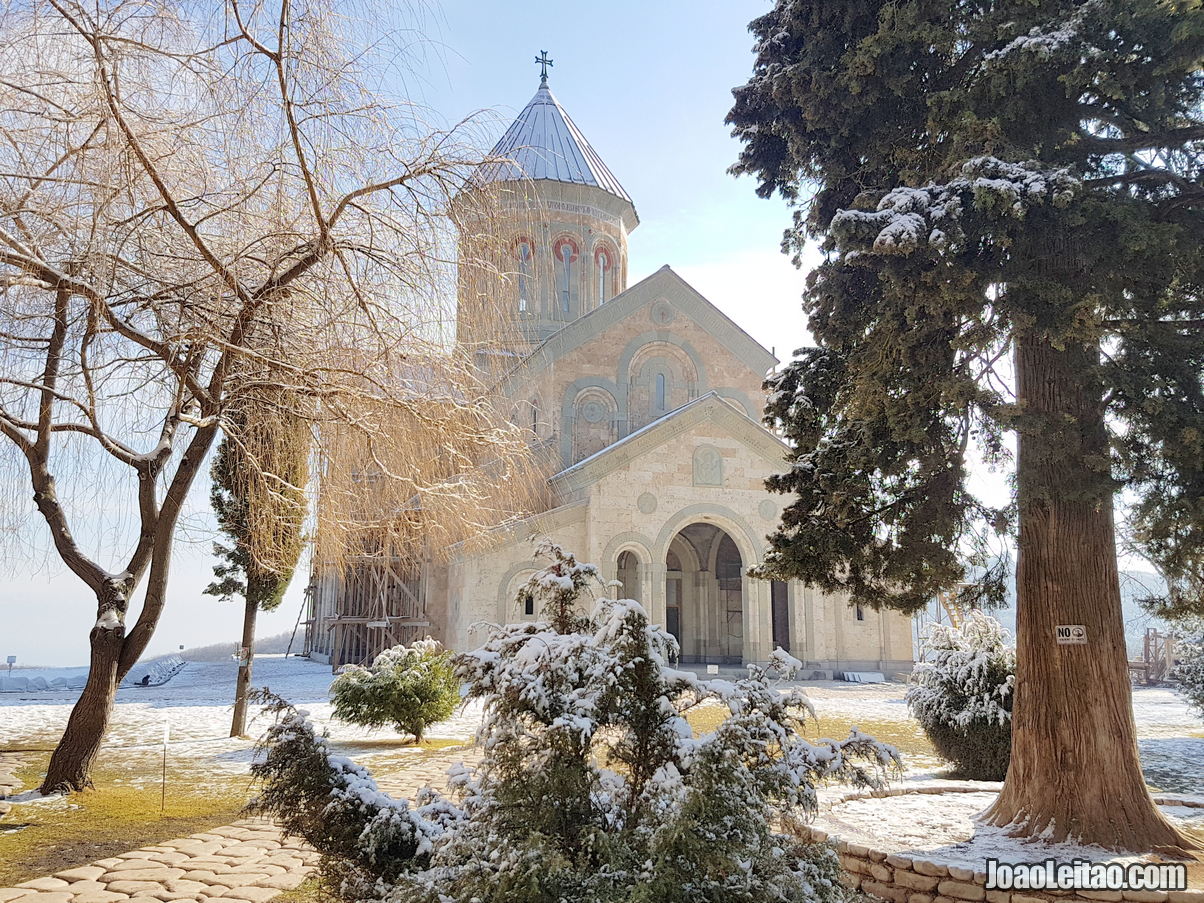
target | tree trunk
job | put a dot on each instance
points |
(238, 727)
(71, 764)
(114, 649)
(1074, 771)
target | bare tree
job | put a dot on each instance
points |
(202, 206)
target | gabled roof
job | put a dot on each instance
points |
(545, 143)
(709, 407)
(664, 283)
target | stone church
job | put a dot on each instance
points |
(650, 398)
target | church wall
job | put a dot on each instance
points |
(700, 475)
(639, 507)
(613, 376)
(481, 587)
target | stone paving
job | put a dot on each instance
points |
(8, 780)
(250, 861)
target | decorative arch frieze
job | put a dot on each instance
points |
(593, 421)
(659, 373)
(568, 411)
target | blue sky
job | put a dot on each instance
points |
(649, 83)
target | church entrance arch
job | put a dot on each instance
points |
(704, 595)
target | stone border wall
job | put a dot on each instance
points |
(906, 879)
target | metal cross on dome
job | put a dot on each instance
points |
(544, 63)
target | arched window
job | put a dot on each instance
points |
(525, 254)
(629, 575)
(565, 252)
(603, 266)
(659, 400)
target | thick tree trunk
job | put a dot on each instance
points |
(1074, 771)
(115, 650)
(71, 764)
(239, 725)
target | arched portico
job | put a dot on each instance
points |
(704, 594)
(722, 616)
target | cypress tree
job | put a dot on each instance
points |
(257, 495)
(1008, 197)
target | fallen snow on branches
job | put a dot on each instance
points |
(907, 219)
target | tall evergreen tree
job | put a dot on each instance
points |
(996, 182)
(258, 496)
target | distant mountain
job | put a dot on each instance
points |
(224, 652)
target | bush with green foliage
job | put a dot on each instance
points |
(592, 784)
(962, 696)
(406, 687)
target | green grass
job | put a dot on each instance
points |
(907, 736)
(308, 891)
(122, 813)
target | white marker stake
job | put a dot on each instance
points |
(163, 785)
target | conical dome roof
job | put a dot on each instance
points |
(545, 143)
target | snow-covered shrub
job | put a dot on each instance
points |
(962, 696)
(407, 687)
(593, 786)
(555, 591)
(1189, 672)
(366, 838)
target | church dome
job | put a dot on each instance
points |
(544, 143)
(554, 225)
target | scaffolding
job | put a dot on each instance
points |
(944, 610)
(1157, 658)
(374, 604)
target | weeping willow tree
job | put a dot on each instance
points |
(997, 183)
(205, 209)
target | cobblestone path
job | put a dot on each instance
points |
(9, 761)
(249, 861)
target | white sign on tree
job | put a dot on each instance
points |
(1071, 635)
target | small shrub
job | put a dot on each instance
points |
(406, 687)
(1189, 672)
(962, 697)
(592, 785)
(365, 837)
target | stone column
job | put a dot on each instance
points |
(652, 586)
(758, 619)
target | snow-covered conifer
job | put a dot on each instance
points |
(405, 687)
(1189, 672)
(593, 785)
(962, 696)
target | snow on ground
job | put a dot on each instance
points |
(944, 828)
(196, 706)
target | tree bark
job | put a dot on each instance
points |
(114, 649)
(71, 763)
(238, 726)
(1074, 771)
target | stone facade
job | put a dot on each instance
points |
(649, 400)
